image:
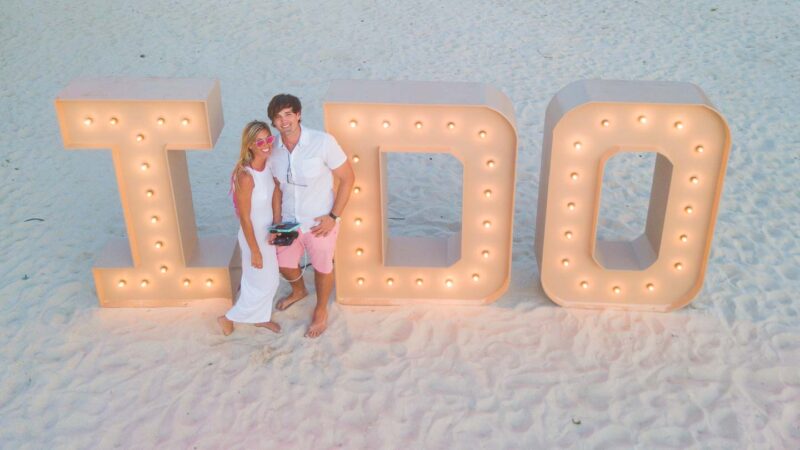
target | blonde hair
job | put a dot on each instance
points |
(249, 134)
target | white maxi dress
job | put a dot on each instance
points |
(258, 286)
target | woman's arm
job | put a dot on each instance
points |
(244, 194)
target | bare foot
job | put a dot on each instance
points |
(225, 324)
(319, 322)
(291, 299)
(272, 326)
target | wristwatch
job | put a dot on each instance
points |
(335, 217)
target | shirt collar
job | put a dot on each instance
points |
(300, 142)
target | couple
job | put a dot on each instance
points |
(286, 179)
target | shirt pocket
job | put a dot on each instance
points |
(312, 168)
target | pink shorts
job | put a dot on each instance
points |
(319, 249)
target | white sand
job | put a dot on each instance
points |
(521, 373)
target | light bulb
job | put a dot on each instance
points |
(448, 283)
(121, 283)
(139, 137)
(642, 120)
(577, 145)
(160, 121)
(389, 281)
(485, 253)
(418, 125)
(565, 262)
(113, 121)
(694, 180)
(144, 283)
(605, 123)
(487, 193)
(451, 125)
(678, 266)
(699, 149)
(585, 284)
(185, 121)
(88, 121)
(487, 224)
(419, 281)
(476, 277)
(163, 269)
(482, 134)
(490, 163)
(679, 125)
(187, 282)
(360, 281)
(353, 124)
(209, 282)
(357, 221)
(359, 251)
(574, 175)
(356, 190)
(356, 158)
(684, 238)
(651, 287)
(571, 206)
(158, 244)
(149, 193)
(154, 219)
(616, 289)
(689, 210)
(386, 124)
(568, 234)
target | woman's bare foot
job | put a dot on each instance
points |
(291, 299)
(225, 324)
(319, 322)
(272, 326)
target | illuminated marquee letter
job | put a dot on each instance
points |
(472, 122)
(587, 123)
(147, 124)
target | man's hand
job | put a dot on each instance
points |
(324, 226)
(271, 238)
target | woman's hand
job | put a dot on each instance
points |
(271, 238)
(255, 259)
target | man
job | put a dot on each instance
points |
(305, 163)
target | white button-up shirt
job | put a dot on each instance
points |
(305, 176)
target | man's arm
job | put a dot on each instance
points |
(345, 177)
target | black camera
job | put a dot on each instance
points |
(286, 233)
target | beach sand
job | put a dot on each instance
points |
(723, 372)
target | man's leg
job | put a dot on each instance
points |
(288, 260)
(319, 321)
(321, 249)
(299, 291)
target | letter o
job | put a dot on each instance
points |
(587, 123)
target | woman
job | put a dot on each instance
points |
(257, 200)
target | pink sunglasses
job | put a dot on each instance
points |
(263, 142)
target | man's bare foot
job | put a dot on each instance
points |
(272, 326)
(225, 324)
(291, 299)
(319, 322)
